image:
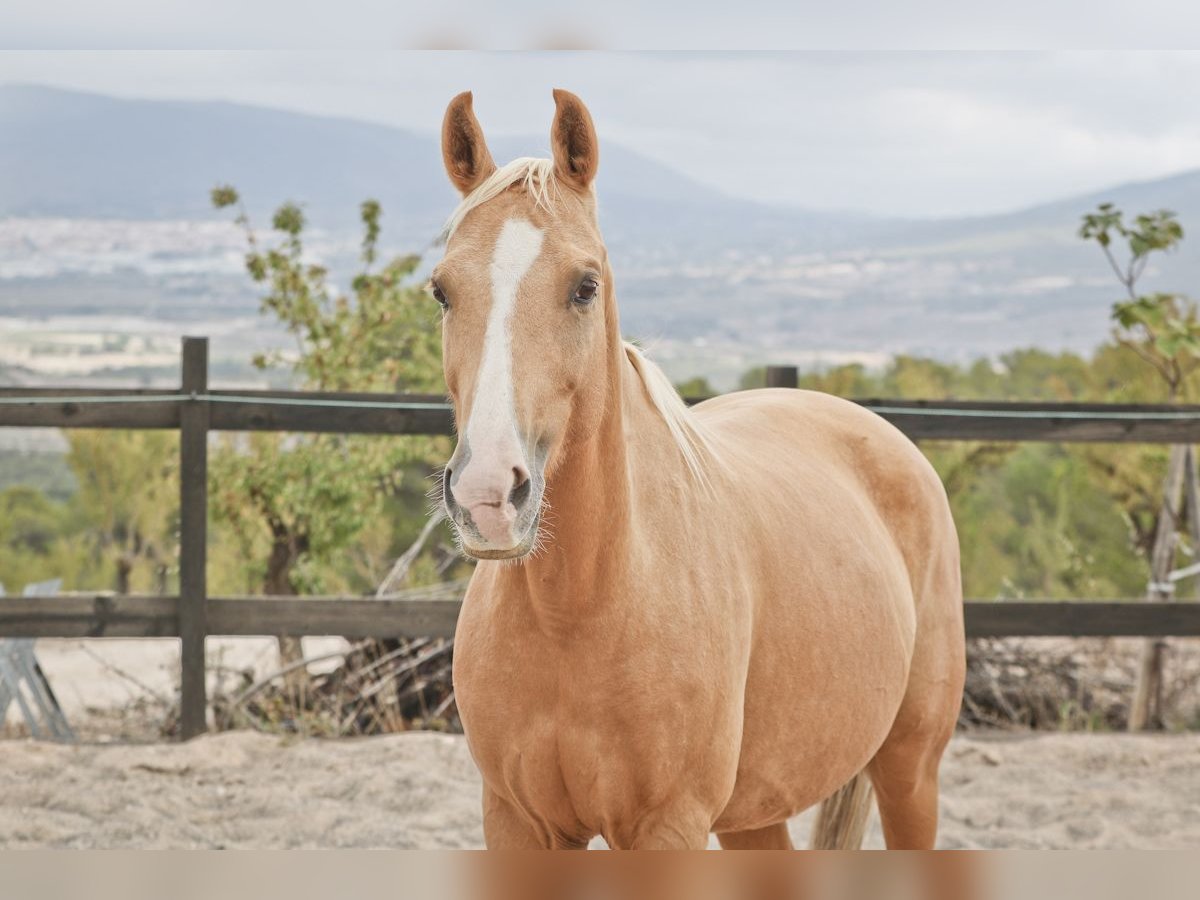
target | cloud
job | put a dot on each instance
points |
(891, 133)
(750, 25)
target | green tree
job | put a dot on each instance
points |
(1162, 330)
(295, 502)
(42, 538)
(128, 497)
(696, 387)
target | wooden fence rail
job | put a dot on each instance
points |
(97, 615)
(194, 410)
(397, 414)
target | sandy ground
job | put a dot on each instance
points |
(250, 790)
(122, 787)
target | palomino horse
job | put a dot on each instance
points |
(682, 621)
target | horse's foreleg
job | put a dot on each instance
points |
(504, 828)
(664, 829)
(773, 837)
(667, 839)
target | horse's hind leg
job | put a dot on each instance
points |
(904, 771)
(905, 777)
(773, 837)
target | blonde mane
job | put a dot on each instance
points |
(535, 175)
(693, 439)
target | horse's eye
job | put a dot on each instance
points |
(586, 292)
(439, 295)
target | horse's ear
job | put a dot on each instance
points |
(464, 151)
(573, 138)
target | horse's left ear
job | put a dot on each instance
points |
(573, 139)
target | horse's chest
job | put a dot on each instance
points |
(580, 743)
(522, 744)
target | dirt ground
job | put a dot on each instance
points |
(249, 790)
(122, 786)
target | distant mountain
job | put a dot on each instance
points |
(72, 154)
(721, 282)
(76, 155)
(1057, 220)
(1179, 193)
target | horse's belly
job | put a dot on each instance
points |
(779, 779)
(815, 719)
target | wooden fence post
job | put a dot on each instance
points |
(783, 377)
(193, 537)
(1145, 709)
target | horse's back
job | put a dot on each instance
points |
(824, 456)
(790, 426)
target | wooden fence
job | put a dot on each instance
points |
(194, 410)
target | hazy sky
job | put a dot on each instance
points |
(893, 133)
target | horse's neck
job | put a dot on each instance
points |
(594, 503)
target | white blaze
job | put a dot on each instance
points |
(493, 413)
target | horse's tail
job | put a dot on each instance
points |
(842, 818)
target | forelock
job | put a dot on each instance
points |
(535, 176)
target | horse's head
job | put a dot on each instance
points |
(528, 308)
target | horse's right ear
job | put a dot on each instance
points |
(464, 150)
(573, 139)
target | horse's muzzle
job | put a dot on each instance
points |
(494, 506)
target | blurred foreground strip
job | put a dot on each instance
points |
(767, 875)
(466, 875)
(753, 875)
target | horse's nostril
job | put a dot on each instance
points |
(447, 496)
(522, 487)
